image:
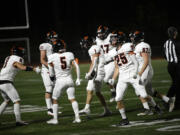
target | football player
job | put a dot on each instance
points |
(95, 74)
(45, 51)
(60, 65)
(126, 67)
(102, 40)
(12, 65)
(145, 70)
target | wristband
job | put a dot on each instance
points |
(29, 69)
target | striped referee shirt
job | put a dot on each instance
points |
(170, 51)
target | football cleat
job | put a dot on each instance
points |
(158, 110)
(21, 123)
(85, 111)
(106, 113)
(123, 122)
(52, 121)
(77, 120)
(50, 112)
(112, 100)
(146, 112)
(171, 103)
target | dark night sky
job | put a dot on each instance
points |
(73, 18)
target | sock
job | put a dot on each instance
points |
(165, 98)
(122, 112)
(55, 111)
(17, 112)
(75, 108)
(145, 105)
(3, 107)
(87, 106)
(48, 103)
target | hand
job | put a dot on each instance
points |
(87, 76)
(111, 81)
(37, 69)
(78, 82)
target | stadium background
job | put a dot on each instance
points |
(72, 19)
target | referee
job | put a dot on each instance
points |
(172, 55)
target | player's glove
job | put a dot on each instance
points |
(37, 70)
(111, 81)
(88, 76)
(78, 82)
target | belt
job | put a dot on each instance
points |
(5, 81)
(109, 62)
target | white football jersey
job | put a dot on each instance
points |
(140, 48)
(105, 45)
(46, 47)
(8, 72)
(123, 57)
(112, 54)
(62, 63)
(97, 50)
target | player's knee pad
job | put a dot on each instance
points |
(49, 89)
(71, 93)
(137, 93)
(118, 98)
(143, 94)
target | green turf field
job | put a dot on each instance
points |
(31, 91)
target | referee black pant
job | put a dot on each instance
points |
(174, 90)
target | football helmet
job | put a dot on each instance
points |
(59, 46)
(138, 36)
(118, 38)
(102, 32)
(87, 41)
(17, 50)
(51, 36)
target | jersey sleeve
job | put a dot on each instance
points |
(127, 47)
(143, 48)
(42, 47)
(94, 50)
(18, 59)
(71, 56)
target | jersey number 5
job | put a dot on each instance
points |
(63, 62)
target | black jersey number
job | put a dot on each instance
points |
(6, 61)
(105, 48)
(121, 59)
(63, 62)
